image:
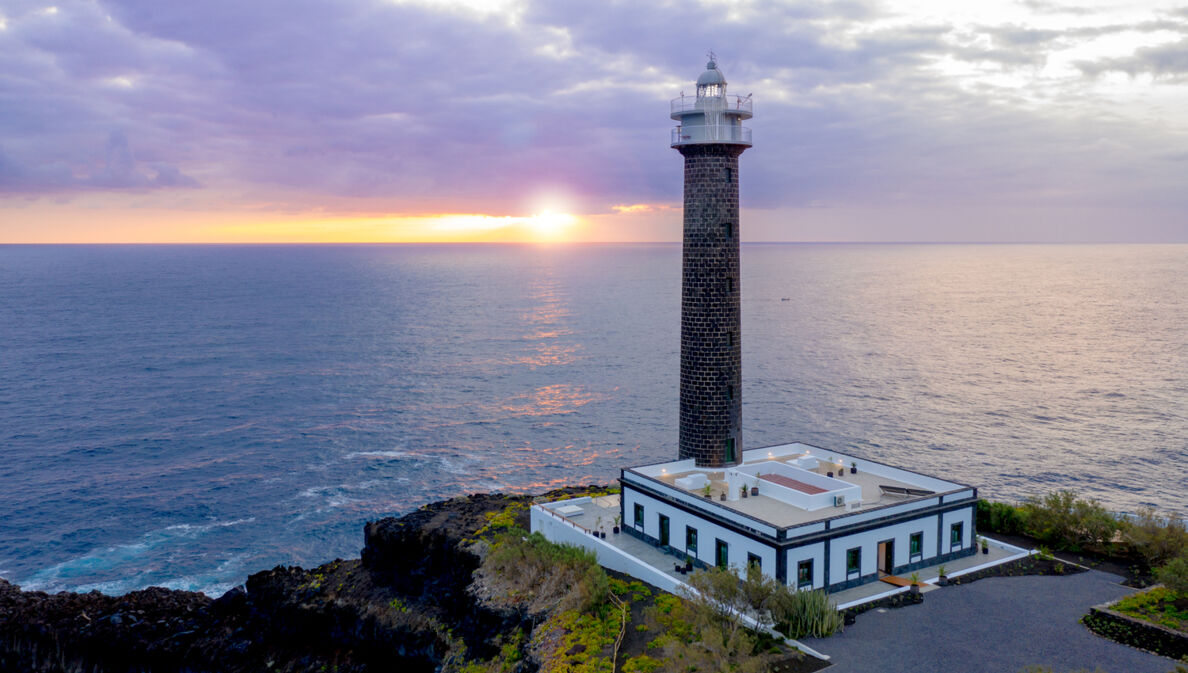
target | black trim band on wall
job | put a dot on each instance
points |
(829, 533)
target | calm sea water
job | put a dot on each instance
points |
(185, 416)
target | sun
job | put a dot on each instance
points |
(549, 226)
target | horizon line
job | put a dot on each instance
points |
(571, 243)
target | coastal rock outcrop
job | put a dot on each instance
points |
(406, 605)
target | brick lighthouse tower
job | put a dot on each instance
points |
(710, 136)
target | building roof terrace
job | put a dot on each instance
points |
(823, 487)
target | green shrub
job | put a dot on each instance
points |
(701, 632)
(1154, 538)
(532, 572)
(1066, 521)
(1174, 575)
(800, 614)
(1000, 517)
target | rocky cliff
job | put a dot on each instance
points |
(407, 605)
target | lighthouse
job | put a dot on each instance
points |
(710, 136)
(791, 511)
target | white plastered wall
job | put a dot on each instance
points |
(816, 552)
(707, 531)
(964, 515)
(869, 541)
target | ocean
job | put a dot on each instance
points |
(184, 416)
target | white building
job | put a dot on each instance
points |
(820, 519)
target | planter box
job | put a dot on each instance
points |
(1138, 633)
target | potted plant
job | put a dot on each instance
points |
(617, 520)
(722, 496)
(985, 545)
(598, 527)
(708, 491)
(853, 467)
(942, 576)
(742, 490)
(915, 578)
(688, 564)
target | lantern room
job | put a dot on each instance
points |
(711, 116)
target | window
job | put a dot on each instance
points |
(729, 392)
(663, 531)
(956, 533)
(721, 554)
(916, 544)
(729, 175)
(729, 284)
(853, 561)
(804, 574)
(729, 228)
(753, 560)
(691, 541)
(638, 515)
(730, 339)
(730, 450)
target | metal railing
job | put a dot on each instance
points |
(566, 519)
(715, 103)
(711, 133)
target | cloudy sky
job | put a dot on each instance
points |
(391, 120)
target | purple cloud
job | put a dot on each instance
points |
(385, 107)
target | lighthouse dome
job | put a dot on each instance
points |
(711, 75)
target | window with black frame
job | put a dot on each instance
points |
(956, 535)
(804, 574)
(854, 561)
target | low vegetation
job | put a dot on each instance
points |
(1174, 576)
(1159, 606)
(766, 601)
(804, 614)
(586, 616)
(1066, 522)
(532, 573)
(1157, 539)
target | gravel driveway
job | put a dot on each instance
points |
(993, 625)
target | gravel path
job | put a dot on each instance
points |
(993, 625)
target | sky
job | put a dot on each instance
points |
(524, 120)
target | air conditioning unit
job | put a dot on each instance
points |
(839, 501)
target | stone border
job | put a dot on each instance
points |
(1137, 633)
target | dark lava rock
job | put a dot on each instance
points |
(405, 606)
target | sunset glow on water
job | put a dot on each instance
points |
(187, 415)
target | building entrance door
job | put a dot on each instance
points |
(886, 557)
(663, 531)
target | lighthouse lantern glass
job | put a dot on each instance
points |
(710, 90)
